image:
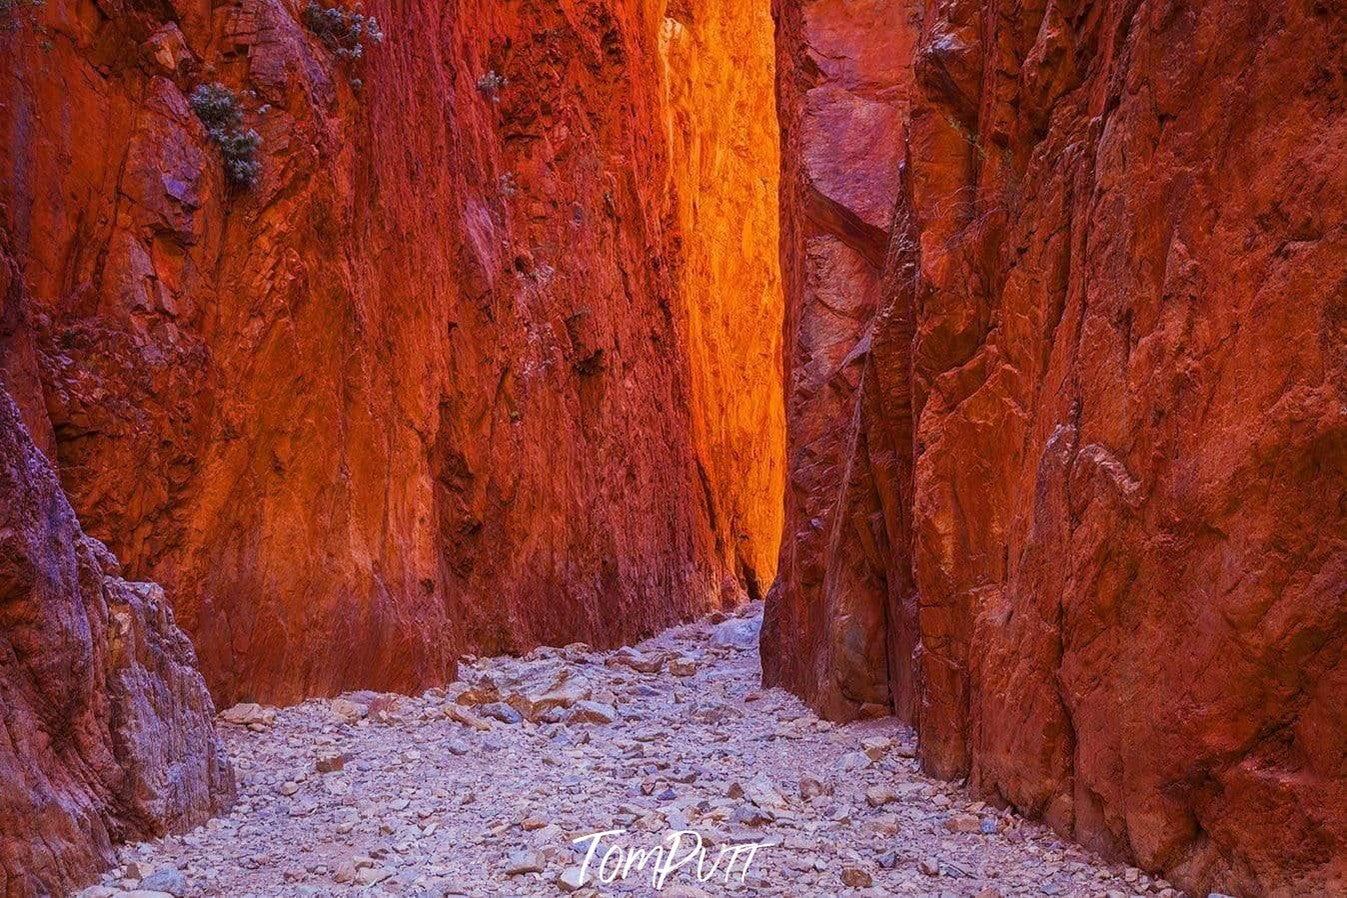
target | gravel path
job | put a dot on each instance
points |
(481, 788)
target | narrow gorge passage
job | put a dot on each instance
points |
(480, 790)
(988, 358)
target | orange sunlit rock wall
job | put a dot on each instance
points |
(1081, 504)
(449, 377)
(726, 163)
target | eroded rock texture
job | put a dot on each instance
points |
(107, 725)
(844, 84)
(726, 162)
(439, 381)
(1086, 519)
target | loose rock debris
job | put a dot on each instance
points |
(501, 784)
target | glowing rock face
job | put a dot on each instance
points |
(725, 159)
(488, 356)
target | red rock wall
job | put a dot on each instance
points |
(1104, 533)
(844, 86)
(107, 726)
(428, 387)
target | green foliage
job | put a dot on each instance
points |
(344, 29)
(218, 108)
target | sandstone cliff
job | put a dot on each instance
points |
(725, 167)
(1081, 509)
(452, 375)
(844, 86)
(476, 345)
(106, 724)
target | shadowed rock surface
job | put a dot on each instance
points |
(107, 726)
(1086, 514)
(844, 86)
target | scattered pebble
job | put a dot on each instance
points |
(479, 788)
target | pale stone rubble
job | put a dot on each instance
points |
(480, 788)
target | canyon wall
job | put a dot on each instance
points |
(844, 86)
(453, 375)
(107, 730)
(1080, 511)
(725, 166)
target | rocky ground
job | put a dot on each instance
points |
(480, 790)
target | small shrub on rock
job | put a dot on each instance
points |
(344, 30)
(218, 108)
(491, 83)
